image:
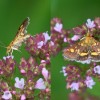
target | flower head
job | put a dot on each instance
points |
(19, 83)
(75, 37)
(65, 39)
(74, 86)
(8, 57)
(7, 95)
(46, 36)
(97, 69)
(58, 27)
(90, 24)
(89, 82)
(40, 44)
(45, 73)
(40, 84)
(23, 97)
(51, 43)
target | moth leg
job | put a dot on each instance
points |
(8, 54)
(16, 49)
(11, 52)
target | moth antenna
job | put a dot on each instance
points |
(2, 45)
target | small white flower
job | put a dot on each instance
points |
(89, 82)
(52, 43)
(47, 37)
(40, 84)
(58, 27)
(97, 69)
(43, 61)
(22, 71)
(90, 24)
(23, 97)
(65, 40)
(64, 70)
(76, 37)
(45, 73)
(19, 83)
(8, 57)
(40, 44)
(7, 95)
(74, 86)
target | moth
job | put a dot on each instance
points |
(87, 50)
(20, 37)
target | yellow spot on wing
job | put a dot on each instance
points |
(94, 53)
(83, 54)
(71, 50)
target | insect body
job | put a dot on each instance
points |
(85, 51)
(20, 37)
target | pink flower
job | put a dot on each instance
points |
(7, 95)
(97, 69)
(47, 37)
(76, 37)
(43, 61)
(19, 83)
(23, 97)
(65, 40)
(22, 71)
(58, 27)
(45, 73)
(90, 24)
(51, 43)
(74, 86)
(8, 57)
(40, 44)
(40, 84)
(89, 82)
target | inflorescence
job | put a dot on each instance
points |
(35, 72)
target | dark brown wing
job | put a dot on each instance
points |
(76, 52)
(83, 52)
(22, 29)
(95, 51)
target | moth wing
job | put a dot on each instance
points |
(95, 51)
(22, 29)
(76, 52)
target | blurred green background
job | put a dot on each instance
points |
(13, 13)
(72, 13)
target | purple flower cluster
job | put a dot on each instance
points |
(78, 78)
(35, 79)
(7, 66)
(36, 76)
(74, 79)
